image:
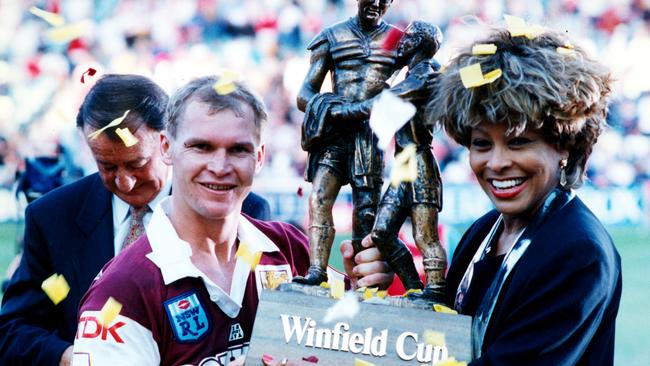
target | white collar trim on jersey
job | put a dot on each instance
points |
(172, 256)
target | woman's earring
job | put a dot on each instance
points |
(563, 164)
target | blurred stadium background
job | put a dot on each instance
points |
(172, 41)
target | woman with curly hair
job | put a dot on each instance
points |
(539, 274)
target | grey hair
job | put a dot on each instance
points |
(202, 90)
(564, 96)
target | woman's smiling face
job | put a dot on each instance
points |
(517, 172)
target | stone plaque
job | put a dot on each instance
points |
(289, 324)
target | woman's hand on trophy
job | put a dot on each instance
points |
(367, 268)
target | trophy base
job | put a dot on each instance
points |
(388, 331)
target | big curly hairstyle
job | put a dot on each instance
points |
(563, 95)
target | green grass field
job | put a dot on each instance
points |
(633, 324)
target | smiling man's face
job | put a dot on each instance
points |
(215, 156)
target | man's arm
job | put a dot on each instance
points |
(128, 339)
(319, 65)
(416, 87)
(28, 319)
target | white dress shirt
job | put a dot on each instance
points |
(121, 215)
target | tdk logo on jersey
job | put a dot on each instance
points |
(235, 332)
(187, 317)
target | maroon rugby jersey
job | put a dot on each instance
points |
(174, 315)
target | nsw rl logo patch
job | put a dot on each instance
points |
(188, 317)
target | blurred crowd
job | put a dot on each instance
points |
(264, 41)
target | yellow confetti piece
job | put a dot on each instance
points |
(338, 288)
(412, 291)
(443, 309)
(226, 83)
(450, 362)
(361, 289)
(434, 338)
(518, 27)
(223, 88)
(369, 292)
(565, 51)
(324, 284)
(382, 294)
(484, 49)
(113, 123)
(472, 76)
(109, 312)
(405, 167)
(69, 32)
(247, 256)
(54, 19)
(360, 362)
(56, 288)
(126, 136)
(568, 45)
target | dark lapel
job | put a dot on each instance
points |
(95, 220)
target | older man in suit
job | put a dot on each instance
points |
(77, 228)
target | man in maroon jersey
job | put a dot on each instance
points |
(187, 297)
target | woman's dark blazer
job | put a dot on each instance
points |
(559, 304)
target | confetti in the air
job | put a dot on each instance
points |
(450, 362)
(68, 32)
(299, 193)
(484, 49)
(412, 291)
(434, 338)
(226, 82)
(392, 39)
(126, 136)
(109, 312)
(116, 122)
(252, 259)
(382, 294)
(337, 288)
(53, 19)
(56, 288)
(369, 292)
(405, 166)
(443, 309)
(89, 72)
(565, 51)
(518, 27)
(267, 359)
(472, 76)
(346, 308)
(389, 113)
(312, 359)
(360, 362)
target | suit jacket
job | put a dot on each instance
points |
(559, 304)
(69, 231)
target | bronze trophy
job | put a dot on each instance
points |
(292, 323)
(422, 198)
(342, 148)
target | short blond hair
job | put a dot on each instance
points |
(563, 95)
